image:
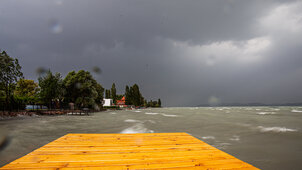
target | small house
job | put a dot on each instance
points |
(107, 102)
(122, 102)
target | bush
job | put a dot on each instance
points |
(111, 107)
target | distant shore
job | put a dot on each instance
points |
(7, 114)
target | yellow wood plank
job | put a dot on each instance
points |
(122, 148)
(114, 157)
(197, 162)
(128, 151)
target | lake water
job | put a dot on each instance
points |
(266, 137)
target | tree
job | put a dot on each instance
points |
(27, 90)
(51, 87)
(107, 94)
(10, 72)
(113, 93)
(127, 96)
(151, 103)
(135, 96)
(159, 103)
(82, 89)
(2, 96)
(100, 92)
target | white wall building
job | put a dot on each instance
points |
(107, 102)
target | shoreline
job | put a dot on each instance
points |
(12, 114)
(6, 114)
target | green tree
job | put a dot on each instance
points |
(27, 90)
(151, 103)
(135, 95)
(82, 89)
(113, 93)
(51, 87)
(10, 72)
(100, 92)
(107, 94)
(127, 96)
(2, 96)
(70, 87)
(159, 103)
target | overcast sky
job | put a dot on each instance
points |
(185, 52)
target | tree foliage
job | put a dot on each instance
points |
(10, 72)
(127, 95)
(153, 103)
(107, 94)
(134, 96)
(100, 92)
(113, 93)
(27, 90)
(159, 103)
(82, 89)
(51, 87)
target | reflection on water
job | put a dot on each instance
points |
(267, 137)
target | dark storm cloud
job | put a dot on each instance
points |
(185, 52)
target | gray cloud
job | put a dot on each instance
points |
(185, 52)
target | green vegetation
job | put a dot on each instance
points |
(153, 103)
(107, 94)
(113, 93)
(51, 88)
(83, 90)
(134, 96)
(27, 91)
(127, 95)
(111, 107)
(55, 92)
(10, 73)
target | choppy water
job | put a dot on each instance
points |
(266, 137)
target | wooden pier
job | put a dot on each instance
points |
(128, 151)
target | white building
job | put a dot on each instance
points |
(107, 102)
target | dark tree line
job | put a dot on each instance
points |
(10, 73)
(153, 103)
(132, 95)
(79, 88)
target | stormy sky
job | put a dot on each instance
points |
(185, 52)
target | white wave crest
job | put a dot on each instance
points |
(208, 137)
(131, 120)
(297, 111)
(275, 129)
(137, 128)
(150, 113)
(266, 113)
(167, 115)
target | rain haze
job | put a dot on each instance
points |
(185, 52)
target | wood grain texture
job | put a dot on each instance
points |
(128, 151)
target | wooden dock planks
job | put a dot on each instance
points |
(128, 151)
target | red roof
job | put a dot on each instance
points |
(122, 101)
